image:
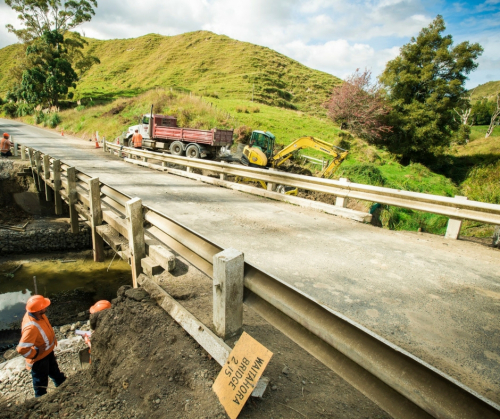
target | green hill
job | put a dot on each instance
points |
(202, 62)
(487, 90)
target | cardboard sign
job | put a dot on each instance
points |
(240, 374)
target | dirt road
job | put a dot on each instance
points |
(436, 298)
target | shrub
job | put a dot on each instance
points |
(10, 109)
(243, 134)
(53, 120)
(255, 109)
(24, 109)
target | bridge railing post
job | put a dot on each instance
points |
(23, 152)
(341, 201)
(137, 245)
(228, 286)
(46, 175)
(33, 168)
(73, 214)
(15, 149)
(96, 218)
(56, 166)
(454, 224)
(38, 165)
(271, 186)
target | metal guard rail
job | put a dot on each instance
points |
(400, 383)
(446, 206)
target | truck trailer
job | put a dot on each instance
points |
(160, 132)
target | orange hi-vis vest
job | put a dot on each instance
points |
(137, 140)
(37, 340)
(5, 145)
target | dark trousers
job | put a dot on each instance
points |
(42, 370)
(7, 154)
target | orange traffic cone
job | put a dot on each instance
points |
(97, 143)
(62, 132)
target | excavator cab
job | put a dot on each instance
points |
(259, 149)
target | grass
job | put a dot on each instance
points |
(487, 90)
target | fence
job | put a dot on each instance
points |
(398, 382)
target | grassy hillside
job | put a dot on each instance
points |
(202, 62)
(487, 90)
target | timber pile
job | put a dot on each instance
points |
(9, 226)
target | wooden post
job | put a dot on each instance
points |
(57, 186)
(341, 201)
(73, 214)
(454, 224)
(96, 218)
(46, 174)
(228, 292)
(137, 244)
(33, 171)
(23, 152)
(38, 164)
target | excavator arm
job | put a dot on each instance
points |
(338, 154)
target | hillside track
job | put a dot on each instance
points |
(438, 299)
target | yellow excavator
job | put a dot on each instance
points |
(259, 153)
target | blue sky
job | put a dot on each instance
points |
(336, 36)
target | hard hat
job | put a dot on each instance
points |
(37, 303)
(5, 135)
(99, 306)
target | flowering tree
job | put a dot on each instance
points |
(359, 105)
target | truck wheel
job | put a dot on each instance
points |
(176, 148)
(193, 152)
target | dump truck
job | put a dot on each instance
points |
(161, 133)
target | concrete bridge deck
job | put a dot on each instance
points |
(438, 299)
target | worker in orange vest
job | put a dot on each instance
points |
(5, 145)
(137, 139)
(37, 345)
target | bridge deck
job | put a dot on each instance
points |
(439, 299)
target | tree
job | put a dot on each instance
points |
(51, 51)
(494, 117)
(40, 16)
(358, 104)
(50, 74)
(424, 84)
(482, 111)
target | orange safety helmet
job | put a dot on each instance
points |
(99, 306)
(5, 135)
(36, 303)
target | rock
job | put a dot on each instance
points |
(121, 291)
(65, 329)
(285, 371)
(82, 315)
(274, 388)
(137, 294)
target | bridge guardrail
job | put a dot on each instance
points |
(456, 208)
(400, 383)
